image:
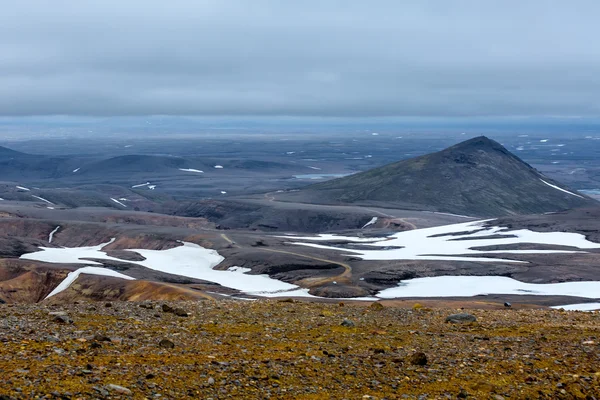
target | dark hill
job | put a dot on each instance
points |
(478, 177)
(134, 163)
(18, 166)
(5, 152)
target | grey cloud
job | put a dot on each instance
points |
(308, 58)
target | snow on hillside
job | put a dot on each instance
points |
(118, 202)
(371, 222)
(51, 235)
(191, 170)
(43, 199)
(561, 189)
(85, 270)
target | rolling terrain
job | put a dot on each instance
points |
(158, 226)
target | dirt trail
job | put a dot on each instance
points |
(344, 277)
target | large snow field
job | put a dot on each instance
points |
(580, 307)
(449, 242)
(189, 260)
(467, 286)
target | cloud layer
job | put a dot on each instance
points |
(306, 58)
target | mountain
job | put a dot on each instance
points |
(478, 177)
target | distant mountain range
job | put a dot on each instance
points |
(478, 177)
(15, 165)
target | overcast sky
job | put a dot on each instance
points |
(300, 58)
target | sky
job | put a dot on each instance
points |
(310, 58)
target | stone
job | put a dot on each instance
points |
(418, 359)
(63, 319)
(180, 312)
(166, 344)
(102, 391)
(460, 318)
(117, 389)
(167, 308)
(347, 323)
(101, 338)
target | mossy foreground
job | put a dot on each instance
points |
(287, 350)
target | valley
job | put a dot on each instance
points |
(186, 226)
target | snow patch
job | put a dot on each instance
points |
(85, 270)
(118, 202)
(140, 185)
(22, 188)
(371, 222)
(76, 169)
(561, 189)
(151, 187)
(218, 166)
(450, 214)
(51, 235)
(43, 199)
(191, 170)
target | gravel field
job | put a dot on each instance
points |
(287, 350)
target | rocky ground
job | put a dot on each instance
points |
(287, 350)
